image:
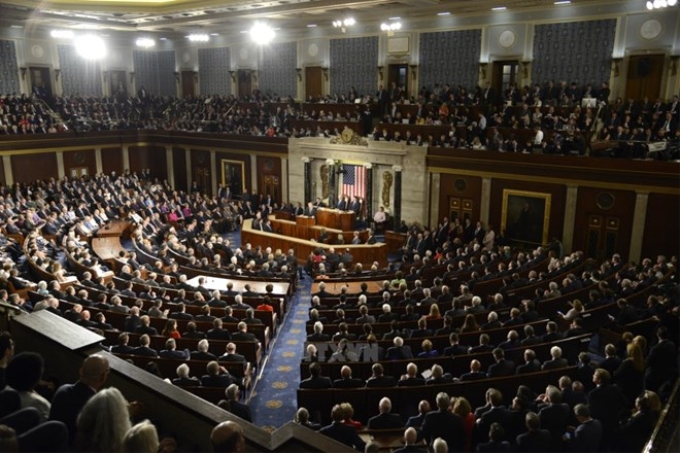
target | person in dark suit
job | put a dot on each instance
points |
(555, 416)
(183, 379)
(588, 434)
(378, 379)
(216, 376)
(242, 334)
(347, 381)
(171, 352)
(557, 360)
(496, 443)
(398, 351)
(230, 355)
(202, 351)
(492, 412)
(143, 349)
(218, 332)
(417, 420)
(535, 439)
(69, 399)
(410, 440)
(315, 380)
(302, 418)
(502, 367)
(475, 372)
(607, 404)
(661, 363)
(385, 419)
(122, 347)
(444, 424)
(145, 326)
(411, 379)
(236, 407)
(455, 348)
(344, 434)
(637, 429)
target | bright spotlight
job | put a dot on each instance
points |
(62, 34)
(262, 33)
(90, 47)
(145, 42)
(199, 38)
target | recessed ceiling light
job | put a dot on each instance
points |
(311, 25)
(17, 26)
(395, 18)
(214, 34)
(163, 39)
(243, 31)
(444, 13)
(562, 2)
(499, 8)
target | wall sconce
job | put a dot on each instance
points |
(23, 72)
(325, 73)
(525, 69)
(414, 70)
(299, 74)
(106, 76)
(674, 64)
(176, 74)
(57, 72)
(380, 72)
(233, 76)
(132, 76)
(482, 69)
(615, 66)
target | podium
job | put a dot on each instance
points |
(304, 220)
(335, 219)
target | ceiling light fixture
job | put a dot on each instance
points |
(311, 25)
(262, 33)
(659, 4)
(563, 2)
(90, 47)
(499, 8)
(62, 34)
(145, 43)
(444, 13)
(342, 24)
(394, 26)
(201, 37)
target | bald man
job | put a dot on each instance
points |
(410, 439)
(70, 398)
(228, 437)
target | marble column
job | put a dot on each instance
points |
(369, 193)
(213, 171)
(638, 233)
(253, 174)
(99, 167)
(187, 159)
(307, 180)
(569, 218)
(485, 200)
(284, 181)
(126, 158)
(170, 166)
(397, 169)
(7, 166)
(435, 182)
(61, 170)
(333, 183)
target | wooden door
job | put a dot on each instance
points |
(504, 74)
(244, 83)
(271, 185)
(398, 74)
(118, 85)
(460, 208)
(188, 84)
(644, 76)
(201, 177)
(602, 236)
(313, 82)
(41, 83)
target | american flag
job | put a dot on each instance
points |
(354, 181)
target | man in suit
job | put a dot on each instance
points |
(378, 379)
(385, 419)
(347, 381)
(69, 399)
(588, 434)
(122, 347)
(218, 332)
(365, 318)
(557, 360)
(607, 404)
(345, 434)
(661, 363)
(502, 367)
(535, 439)
(143, 349)
(216, 376)
(201, 352)
(398, 351)
(410, 440)
(230, 355)
(417, 420)
(144, 326)
(315, 380)
(236, 407)
(411, 379)
(242, 334)
(475, 372)
(554, 416)
(531, 363)
(455, 348)
(171, 352)
(444, 424)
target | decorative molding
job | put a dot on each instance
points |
(306, 159)
(397, 168)
(482, 69)
(348, 137)
(616, 62)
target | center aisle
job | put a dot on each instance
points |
(274, 400)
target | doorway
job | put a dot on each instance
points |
(397, 74)
(313, 82)
(644, 76)
(118, 85)
(602, 236)
(504, 74)
(188, 84)
(41, 84)
(245, 88)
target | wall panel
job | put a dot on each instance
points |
(461, 188)
(269, 177)
(661, 227)
(179, 168)
(112, 160)
(29, 167)
(151, 157)
(79, 160)
(220, 155)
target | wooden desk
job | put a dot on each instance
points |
(301, 231)
(395, 241)
(212, 283)
(365, 254)
(115, 228)
(303, 220)
(333, 218)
